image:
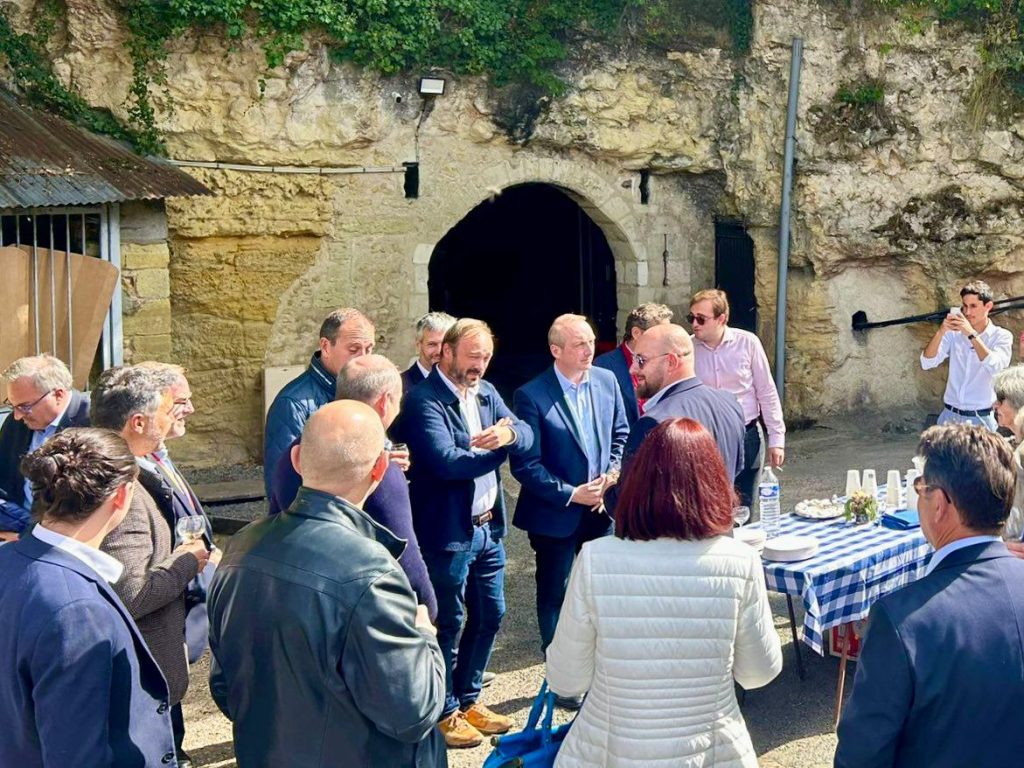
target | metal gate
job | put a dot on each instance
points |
(92, 231)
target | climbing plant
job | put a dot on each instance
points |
(510, 41)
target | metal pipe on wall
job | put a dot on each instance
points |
(787, 188)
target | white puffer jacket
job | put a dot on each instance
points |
(655, 632)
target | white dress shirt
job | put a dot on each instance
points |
(969, 386)
(424, 371)
(941, 553)
(105, 566)
(485, 487)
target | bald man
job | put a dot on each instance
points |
(315, 601)
(664, 369)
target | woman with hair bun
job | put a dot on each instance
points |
(662, 617)
(81, 687)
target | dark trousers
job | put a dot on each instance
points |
(747, 480)
(178, 727)
(554, 563)
(469, 585)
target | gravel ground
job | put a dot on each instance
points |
(790, 720)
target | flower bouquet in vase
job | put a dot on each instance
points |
(861, 507)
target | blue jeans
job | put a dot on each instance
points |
(948, 417)
(469, 585)
(554, 563)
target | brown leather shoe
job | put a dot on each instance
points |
(486, 721)
(458, 733)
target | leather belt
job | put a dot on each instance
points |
(483, 517)
(959, 412)
(752, 424)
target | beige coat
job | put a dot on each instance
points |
(655, 632)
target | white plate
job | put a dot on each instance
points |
(754, 537)
(790, 548)
(819, 509)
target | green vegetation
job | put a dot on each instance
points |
(863, 94)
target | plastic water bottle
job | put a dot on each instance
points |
(768, 499)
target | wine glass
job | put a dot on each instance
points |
(190, 528)
(740, 515)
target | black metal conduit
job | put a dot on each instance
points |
(860, 317)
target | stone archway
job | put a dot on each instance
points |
(517, 261)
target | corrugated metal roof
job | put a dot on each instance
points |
(47, 161)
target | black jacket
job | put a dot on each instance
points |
(316, 659)
(15, 439)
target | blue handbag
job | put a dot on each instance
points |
(532, 747)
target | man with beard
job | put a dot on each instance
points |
(664, 369)
(459, 432)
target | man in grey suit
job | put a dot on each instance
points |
(940, 681)
(138, 403)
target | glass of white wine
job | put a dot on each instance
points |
(190, 528)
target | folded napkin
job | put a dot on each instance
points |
(903, 520)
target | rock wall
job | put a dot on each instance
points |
(896, 203)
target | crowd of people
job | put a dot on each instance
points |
(354, 624)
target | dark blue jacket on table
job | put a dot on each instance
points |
(388, 505)
(80, 687)
(940, 679)
(615, 361)
(15, 439)
(444, 466)
(557, 462)
(291, 409)
(317, 660)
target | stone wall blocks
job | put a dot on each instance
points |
(150, 256)
(151, 283)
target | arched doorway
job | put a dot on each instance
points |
(517, 261)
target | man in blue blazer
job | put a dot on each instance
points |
(620, 359)
(430, 331)
(579, 426)
(39, 391)
(459, 433)
(940, 681)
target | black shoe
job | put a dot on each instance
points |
(488, 678)
(184, 761)
(569, 702)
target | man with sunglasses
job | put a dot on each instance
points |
(42, 403)
(940, 680)
(734, 360)
(977, 350)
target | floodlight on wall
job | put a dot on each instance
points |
(431, 86)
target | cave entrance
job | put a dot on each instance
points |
(517, 261)
(734, 273)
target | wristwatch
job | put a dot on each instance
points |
(972, 337)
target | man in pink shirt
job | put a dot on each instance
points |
(734, 360)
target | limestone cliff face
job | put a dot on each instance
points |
(895, 203)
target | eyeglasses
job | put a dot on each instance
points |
(641, 361)
(698, 319)
(920, 487)
(26, 409)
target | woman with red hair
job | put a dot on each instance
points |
(660, 619)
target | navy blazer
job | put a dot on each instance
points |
(80, 687)
(444, 467)
(615, 361)
(411, 376)
(550, 471)
(15, 438)
(940, 680)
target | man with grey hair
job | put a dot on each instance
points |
(620, 360)
(375, 381)
(138, 403)
(346, 333)
(976, 349)
(430, 331)
(322, 575)
(42, 402)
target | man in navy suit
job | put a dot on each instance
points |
(42, 404)
(940, 681)
(430, 331)
(579, 426)
(459, 432)
(620, 359)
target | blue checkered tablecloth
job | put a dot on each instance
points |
(855, 565)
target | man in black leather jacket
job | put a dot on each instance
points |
(320, 654)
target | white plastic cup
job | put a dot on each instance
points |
(892, 490)
(852, 482)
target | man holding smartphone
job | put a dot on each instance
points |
(977, 349)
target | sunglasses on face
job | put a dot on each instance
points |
(641, 361)
(693, 319)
